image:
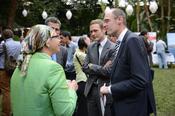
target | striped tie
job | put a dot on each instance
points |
(117, 48)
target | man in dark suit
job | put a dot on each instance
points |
(131, 84)
(61, 56)
(99, 55)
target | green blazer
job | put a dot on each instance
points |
(43, 91)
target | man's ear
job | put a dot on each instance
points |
(120, 19)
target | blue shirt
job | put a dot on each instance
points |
(54, 57)
(13, 49)
(71, 48)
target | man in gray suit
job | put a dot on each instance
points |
(99, 56)
(61, 56)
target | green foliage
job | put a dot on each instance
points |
(82, 14)
(4, 7)
(131, 23)
(79, 23)
(34, 12)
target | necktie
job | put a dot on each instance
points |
(98, 45)
(117, 48)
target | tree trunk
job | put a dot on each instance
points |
(147, 15)
(12, 13)
(116, 3)
(169, 15)
(138, 15)
(162, 27)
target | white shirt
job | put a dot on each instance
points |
(122, 34)
(160, 46)
(102, 43)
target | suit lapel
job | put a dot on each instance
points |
(104, 50)
(96, 52)
(119, 52)
(122, 45)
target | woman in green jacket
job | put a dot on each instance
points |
(38, 85)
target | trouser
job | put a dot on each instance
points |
(81, 103)
(162, 60)
(5, 91)
(150, 59)
(93, 103)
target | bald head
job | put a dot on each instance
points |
(114, 21)
(118, 12)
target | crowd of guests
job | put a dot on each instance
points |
(106, 74)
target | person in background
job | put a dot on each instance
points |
(11, 48)
(66, 40)
(81, 77)
(61, 56)
(23, 34)
(38, 84)
(131, 85)
(88, 39)
(112, 38)
(148, 45)
(17, 34)
(160, 49)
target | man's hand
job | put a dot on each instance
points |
(90, 65)
(104, 90)
(108, 64)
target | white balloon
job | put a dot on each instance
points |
(105, 1)
(122, 3)
(69, 14)
(44, 14)
(24, 13)
(107, 9)
(129, 9)
(153, 6)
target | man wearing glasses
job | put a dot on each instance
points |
(59, 57)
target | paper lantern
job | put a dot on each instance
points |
(153, 6)
(69, 14)
(24, 12)
(129, 10)
(44, 14)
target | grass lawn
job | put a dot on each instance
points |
(164, 89)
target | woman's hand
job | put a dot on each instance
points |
(72, 84)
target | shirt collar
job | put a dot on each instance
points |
(9, 39)
(102, 43)
(122, 34)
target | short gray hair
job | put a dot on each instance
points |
(53, 20)
(118, 12)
